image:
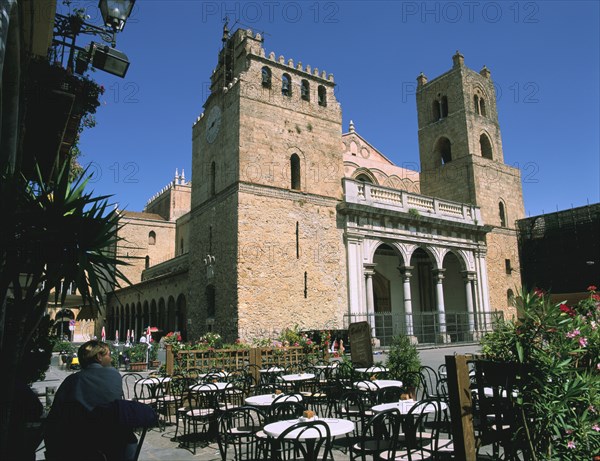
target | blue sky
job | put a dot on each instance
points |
(544, 58)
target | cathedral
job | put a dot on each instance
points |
(291, 220)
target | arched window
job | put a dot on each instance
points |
(476, 103)
(210, 301)
(266, 77)
(286, 85)
(444, 106)
(486, 147)
(502, 214)
(482, 106)
(147, 261)
(151, 238)
(364, 178)
(295, 171)
(444, 149)
(213, 179)
(510, 297)
(305, 90)
(435, 110)
(322, 93)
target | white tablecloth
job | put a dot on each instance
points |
(372, 370)
(336, 427)
(378, 383)
(298, 377)
(265, 400)
(404, 407)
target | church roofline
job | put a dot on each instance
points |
(350, 133)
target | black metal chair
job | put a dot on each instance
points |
(430, 379)
(198, 418)
(304, 441)
(420, 431)
(238, 435)
(128, 380)
(378, 437)
(286, 409)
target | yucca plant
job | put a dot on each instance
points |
(54, 233)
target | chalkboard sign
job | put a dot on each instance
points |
(361, 352)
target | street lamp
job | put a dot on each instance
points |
(115, 14)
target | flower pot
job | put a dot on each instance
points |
(155, 364)
(138, 366)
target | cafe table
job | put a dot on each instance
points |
(266, 400)
(375, 384)
(210, 387)
(404, 406)
(296, 379)
(336, 427)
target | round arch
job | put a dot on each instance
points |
(181, 311)
(171, 319)
(443, 150)
(364, 175)
(162, 315)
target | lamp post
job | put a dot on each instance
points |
(68, 27)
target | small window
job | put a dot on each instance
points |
(510, 297)
(266, 77)
(322, 93)
(286, 85)
(295, 171)
(476, 103)
(210, 301)
(507, 266)
(482, 107)
(364, 178)
(147, 261)
(486, 147)
(435, 110)
(502, 214)
(152, 238)
(305, 90)
(444, 149)
(444, 107)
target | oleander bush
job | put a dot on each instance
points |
(559, 347)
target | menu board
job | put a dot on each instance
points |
(361, 351)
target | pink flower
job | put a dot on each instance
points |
(583, 341)
(592, 288)
(573, 334)
(571, 444)
(596, 427)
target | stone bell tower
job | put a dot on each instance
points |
(266, 253)
(462, 159)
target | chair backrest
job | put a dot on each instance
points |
(430, 379)
(286, 409)
(262, 389)
(351, 406)
(236, 435)
(389, 394)
(128, 380)
(309, 440)
(420, 388)
(421, 427)
(380, 434)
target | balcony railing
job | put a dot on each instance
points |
(460, 327)
(362, 193)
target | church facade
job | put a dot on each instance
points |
(291, 221)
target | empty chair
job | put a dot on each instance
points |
(388, 394)
(430, 379)
(286, 409)
(239, 435)
(129, 380)
(304, 441)
(198, 417)
(420, 432)
(378, 437)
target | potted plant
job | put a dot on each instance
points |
(137, 357)
(404, 363)
(153, 356)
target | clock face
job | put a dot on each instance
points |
(213, 123)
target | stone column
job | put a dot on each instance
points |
(406, 273)
(369, 269)
(469, 277)
(355, 303)
(439, 291)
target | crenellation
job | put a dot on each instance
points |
(281, 59)
(272, 56)
(290, 63)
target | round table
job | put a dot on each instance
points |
(372, 370)
(336, 427)
(298, 377)
(208, 387)
(266, 400)
(404, 407)
(377, 384)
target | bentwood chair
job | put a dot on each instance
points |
(378, 437)
(198, 418)
(304, 441)
(239, 435)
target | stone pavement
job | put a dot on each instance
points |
(158, 446)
